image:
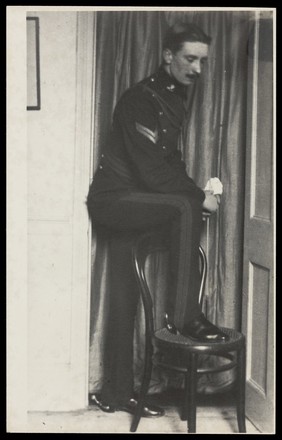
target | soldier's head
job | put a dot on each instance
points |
(185, 50)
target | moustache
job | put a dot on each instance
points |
(192, 76)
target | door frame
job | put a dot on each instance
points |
(81, 235)
(259, 402)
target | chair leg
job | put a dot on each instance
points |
(241, 385)
(144, 386)
(191, 392)
(184, 409)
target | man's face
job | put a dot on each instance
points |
(186, 64)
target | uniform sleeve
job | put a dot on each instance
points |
(136, 120)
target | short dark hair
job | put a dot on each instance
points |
(181, 32)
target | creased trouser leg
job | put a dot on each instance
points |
(118, 372)
(137, 212)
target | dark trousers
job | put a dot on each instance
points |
(126, 216)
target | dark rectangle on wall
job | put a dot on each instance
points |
(33, 64)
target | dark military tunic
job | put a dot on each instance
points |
(142, 153)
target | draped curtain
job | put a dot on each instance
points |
(213, 145)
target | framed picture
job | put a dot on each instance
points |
(33, 64)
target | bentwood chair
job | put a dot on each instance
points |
(188, 350)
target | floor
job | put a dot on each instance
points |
(215, 414)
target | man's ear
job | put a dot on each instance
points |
(167, 56)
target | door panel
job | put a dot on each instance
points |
(258, 307)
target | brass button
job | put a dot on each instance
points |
(152, 79)
(102, 155)
(163, 147)
(164, 130)
(100, 167)
(161, 113)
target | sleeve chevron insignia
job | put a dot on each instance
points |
(151, 135)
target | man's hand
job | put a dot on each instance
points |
(211, 202)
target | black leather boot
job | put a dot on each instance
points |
(148, 410)
(130, 406)
(202, 330)
(94, 399)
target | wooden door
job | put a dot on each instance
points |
(258, 284)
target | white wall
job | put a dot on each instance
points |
(51, 137)
(57, 303)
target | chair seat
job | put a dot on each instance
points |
(164, 337)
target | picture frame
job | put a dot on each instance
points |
(33, 64)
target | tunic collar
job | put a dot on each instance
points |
(163, 80)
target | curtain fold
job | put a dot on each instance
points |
(213, 145)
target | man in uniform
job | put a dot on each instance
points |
(142, 184)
